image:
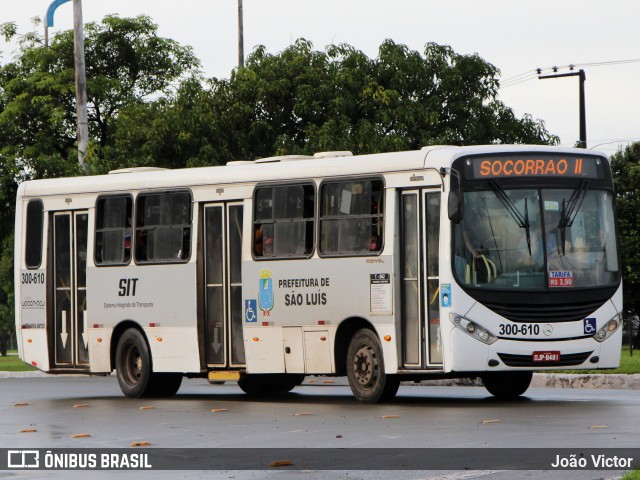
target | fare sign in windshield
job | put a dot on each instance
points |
(515, 166)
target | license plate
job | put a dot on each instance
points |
(543, 357)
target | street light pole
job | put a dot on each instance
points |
(582, 143)
(49, 20)
(81, 84)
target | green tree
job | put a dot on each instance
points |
(301, 101)
(625, 165)
(126, 62)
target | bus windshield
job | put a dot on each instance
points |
(536, 239)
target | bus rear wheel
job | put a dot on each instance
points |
(134, 372)
(365, 369)
(270, 384)
(507, 385)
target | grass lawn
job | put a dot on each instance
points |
(628, 364)
(12, 363)
(635, 475)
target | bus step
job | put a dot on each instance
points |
(224, 375)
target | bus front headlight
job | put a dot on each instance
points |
(473, 329)
(609, 329)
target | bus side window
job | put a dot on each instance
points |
(283, 221)
(351, 217)
(163, 227)
(33, 237)
(113, 230)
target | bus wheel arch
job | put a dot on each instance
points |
(117, 333)
(133, 361)
(364, 365)
(346, 330)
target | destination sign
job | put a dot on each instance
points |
(534, 165)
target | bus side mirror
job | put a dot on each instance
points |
(455, 205)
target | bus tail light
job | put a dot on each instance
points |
(609, 329)
(473, 329)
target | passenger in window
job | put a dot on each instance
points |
(257, 243)
(141, 245)
(374, 244)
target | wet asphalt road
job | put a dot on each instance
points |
(314, 415)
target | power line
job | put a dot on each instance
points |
(532, 74)
(609, 142)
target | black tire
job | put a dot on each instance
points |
(133, 364)
(269, 384)
(252, 384)
(365, 369)
(507, 385)
(286, 383)
(164, 385)
(134, 369)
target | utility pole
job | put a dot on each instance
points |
(81, 84)
(582, 143)
(240, 37)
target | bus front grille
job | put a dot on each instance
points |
(544, 313)
(567, 360)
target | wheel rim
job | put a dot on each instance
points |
(132, 365)
(365, 366)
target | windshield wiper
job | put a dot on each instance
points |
(570, 210)
(521, 220)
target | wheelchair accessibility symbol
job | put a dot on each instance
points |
(250, 308)
(589, 326)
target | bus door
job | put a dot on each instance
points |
(420, 239)
(223, 280)
(70, 341)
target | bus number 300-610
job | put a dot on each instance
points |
(29, 278)
(523, 329)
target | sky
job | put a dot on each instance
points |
(517, 36)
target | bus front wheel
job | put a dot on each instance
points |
(365, 369)
(507, 384)
(134, 372)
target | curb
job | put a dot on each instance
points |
(611, 381)
(22, 374)
(555, 380)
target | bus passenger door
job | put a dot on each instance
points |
(420, 242)
(71, 348)
(223, 256)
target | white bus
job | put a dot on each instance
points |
(447, 262)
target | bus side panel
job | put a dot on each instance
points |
(17, 265)
(31, 322)
(174, 349)
(160, 299)
(317, 294)
(100, 351)
(264, 349)
(31, 298)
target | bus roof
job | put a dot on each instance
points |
(292, 167)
